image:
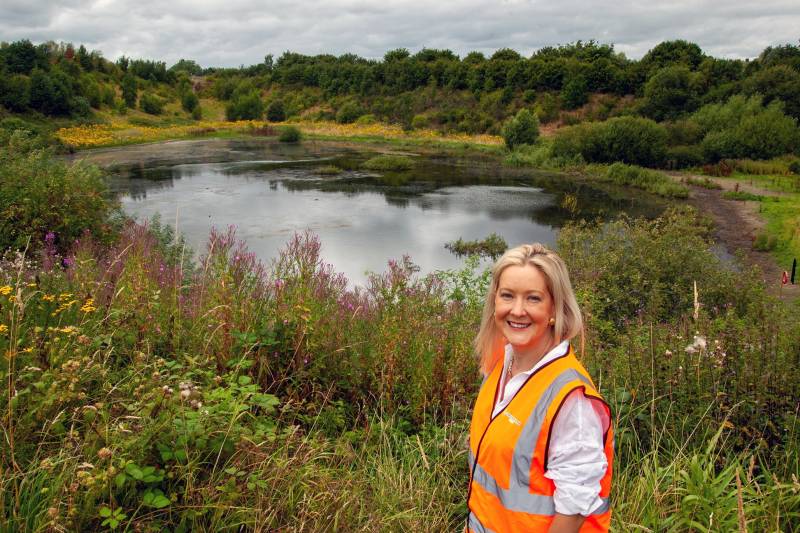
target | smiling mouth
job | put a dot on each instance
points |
(516, 325)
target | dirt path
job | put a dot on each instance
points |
(737, 225)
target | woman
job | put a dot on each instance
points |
(541, 446)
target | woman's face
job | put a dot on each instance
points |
(523, 308)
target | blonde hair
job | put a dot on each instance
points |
(567, 313)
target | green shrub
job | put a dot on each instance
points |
(152, 104)
(389, 162)
(547, 107)
(246, 106)
(683, 132)
(289, 134)
(197, 113)
(366, 119)
(40, 195)
(645, 179)
(794, 167)
(631, 140)
(276, 111)
(744, 128)
(574, 94)
(419, 122)
(520, 130)
(348, 113)
(491, 247)
(683, 157)
(15, 92)
(189, 101)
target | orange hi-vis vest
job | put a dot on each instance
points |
(508, 491)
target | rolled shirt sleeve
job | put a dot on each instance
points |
(576, 458)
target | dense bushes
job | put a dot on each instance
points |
(229, 395)
(245, 106)
(645, 179)
(630, 140)
(151, 104)
(41, 197)
(522, 129)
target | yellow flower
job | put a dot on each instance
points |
(5, 290)
(88, 307)
(3, 329)
(49, 297)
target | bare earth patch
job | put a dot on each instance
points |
(737, 225)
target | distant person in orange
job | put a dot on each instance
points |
(541, 444)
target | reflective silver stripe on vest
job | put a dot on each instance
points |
(518, 496)
(475, 525)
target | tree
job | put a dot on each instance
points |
(276, 111)
(522, 129)
(777, 83)
(15, 92)
(20, 57)
(188, 66)
(574, 94)
(129, 89)
(673, 52)
(49, 94)
(152, 104)
(669, 93)
(245, 107)
(189, 101)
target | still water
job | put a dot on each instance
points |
(268, 191)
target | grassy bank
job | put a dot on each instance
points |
(147, 390)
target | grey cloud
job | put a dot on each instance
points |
(235, 32)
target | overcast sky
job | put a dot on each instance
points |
(236, 32)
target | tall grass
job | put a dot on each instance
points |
(144, 393)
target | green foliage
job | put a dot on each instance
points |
(189, 101)
(670, 92)
(50, 94)
(765, 242)
(742, 196)
(151, 104)
(743, 128)
(683, 157)
(575, 93)
(276, 111)
(41, 195)
(187, 65)
(630, 140)
(522, 129)
(289, 134)
(129, 90)
(389, 162)
(15, 92)
(491, 247)
(246, 106)
(645, 179)
(348, 112)
(779, 82)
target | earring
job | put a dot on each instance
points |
(552, 321)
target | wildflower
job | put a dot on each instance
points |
(89, 307)
(49, 297)
(698, 345)
(3, 329)
(104, 453)
(5, 290)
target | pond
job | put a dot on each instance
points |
(269, 190)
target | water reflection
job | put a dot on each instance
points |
(363, 218)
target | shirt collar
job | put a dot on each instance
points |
(561, 349)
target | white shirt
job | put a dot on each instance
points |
(576, 459)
